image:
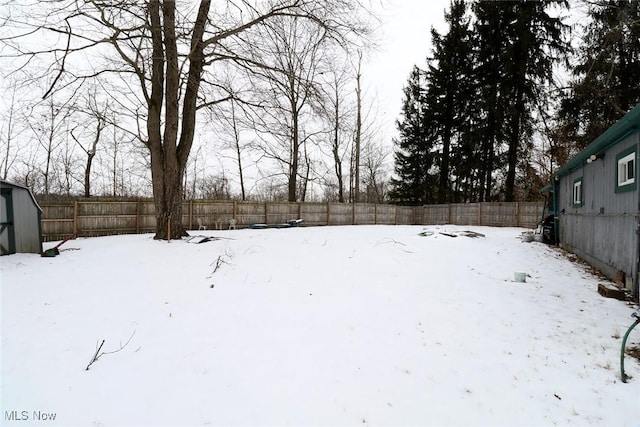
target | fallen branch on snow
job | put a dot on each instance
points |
(99, 354)
(222, 259)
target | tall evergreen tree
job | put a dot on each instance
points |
(491, 25)
(414, 184)
(481, 91)
(527, 47)
(606, 78)
(537, 38)
(450, 92)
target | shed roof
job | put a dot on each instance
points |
(4, 183)
(624, 127)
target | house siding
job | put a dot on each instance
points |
(603, 230)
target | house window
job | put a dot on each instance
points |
(626, 172)
(577, 193)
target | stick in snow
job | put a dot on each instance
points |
(97, 354)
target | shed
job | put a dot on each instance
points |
(20, 214)
(597, 202)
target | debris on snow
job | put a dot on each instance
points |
(448, 234)
(203, 239)
(465, 233)
(292, 223)
(199, 239)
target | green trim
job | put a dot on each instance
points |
(627, 125)
(573, 193)
(634, 185)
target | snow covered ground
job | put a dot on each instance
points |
(366, 325)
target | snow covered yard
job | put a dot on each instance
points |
(366, 325)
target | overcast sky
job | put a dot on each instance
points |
(405, 41)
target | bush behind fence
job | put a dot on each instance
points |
(100, 218)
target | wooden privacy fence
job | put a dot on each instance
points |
(100, 218)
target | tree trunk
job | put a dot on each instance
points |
(115, 160)
(91, 153)
(514, 144)
(336, 148)
(295, 153)
(521, 56)
(87, 175)
(443, 188)
(169, 154)
(356, 190)
(491, 134)
(236, 140)
(9, 136)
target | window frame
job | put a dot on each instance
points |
(577, 202)
(623, 159)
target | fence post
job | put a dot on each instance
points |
(266, 219)
(517, 214)
(75, 217)
(480, 214)
(353, 213)
(138, 216)
(328, 213)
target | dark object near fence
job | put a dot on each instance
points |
(548, 230)
(49, 253)
(611, 292)
(289, 224)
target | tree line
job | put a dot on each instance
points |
(130, 98)
(269, 79)
(510, 92)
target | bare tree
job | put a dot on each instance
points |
(66, 165)
(167, 54)
(237, 145)
(358, 132)
(10, 131)
(91, 129)
(7, 134)
(376, 176)
(230, 121)
(215, 187)
(27, 170)
(49, 130)
(335, 109)
(291, 50)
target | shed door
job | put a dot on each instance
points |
(7, 233)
